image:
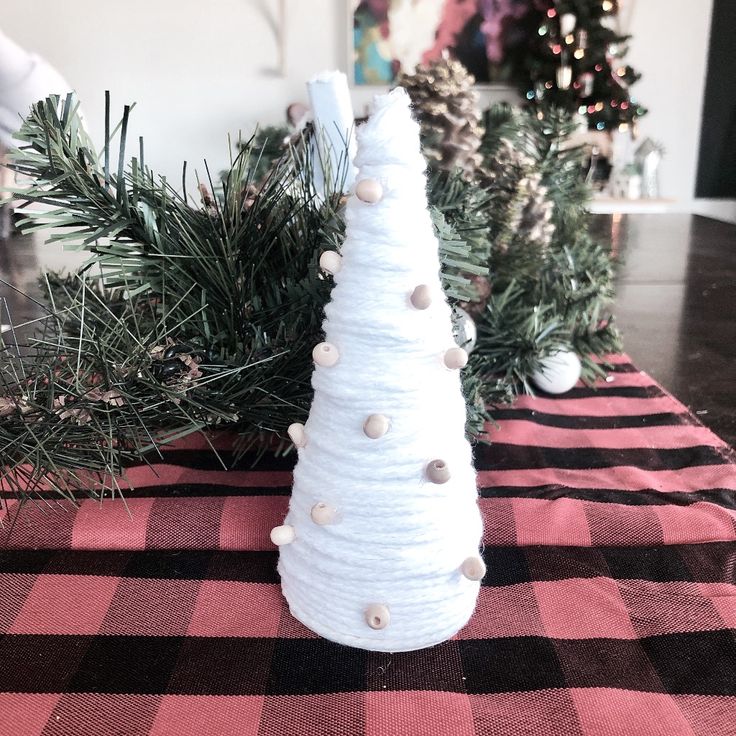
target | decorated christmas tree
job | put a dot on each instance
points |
(575, 61)
(379, 549)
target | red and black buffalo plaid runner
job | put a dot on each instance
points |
(609, 606)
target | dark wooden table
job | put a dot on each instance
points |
(676, 303)
(676, 306)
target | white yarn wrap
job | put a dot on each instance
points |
(398, 540)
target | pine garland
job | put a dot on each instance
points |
(204, 315)
(205, 312)
(550, 292)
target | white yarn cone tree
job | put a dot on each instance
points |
(379, 549)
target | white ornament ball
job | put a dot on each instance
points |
(323, 514)
(325, 354)
(456, 358)
(567, 23)
(558, 372)
(473, 568)
(369, 191)
(376, 426)
(330, 262)
(283, 534)
(377, 616)
(297, 434)
(464, 330)
(421, 297)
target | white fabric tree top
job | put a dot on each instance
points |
(379, 549)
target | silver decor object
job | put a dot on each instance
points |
(464, 330)
(648, 157)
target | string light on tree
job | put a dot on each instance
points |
(579, 35)
(567, 24)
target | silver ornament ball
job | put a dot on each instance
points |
(464, 330)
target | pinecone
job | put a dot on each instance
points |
(512, 174)
(446, 106)
(534, 220)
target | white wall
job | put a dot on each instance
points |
(670, 48)
(199, 70)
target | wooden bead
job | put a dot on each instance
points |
(323, 514)
(473, 568)
(297, 434)
(330, 262)
(283, 534)
(325, 354)
(377, 616)
(456, 358)
(376, 426)
(438, 472)
(369, 191)
(421, 297)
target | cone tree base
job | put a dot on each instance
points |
(379, 641)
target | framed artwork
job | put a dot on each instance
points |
(487, 36)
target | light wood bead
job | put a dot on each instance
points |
(325, 354)
(438, 472)
(330, 262)
(421, 297)
(376, 426)
(456, 358)
(377, 616)
(473, 568)
(297, 434)
(369, 191)
(284, 534)
(323, 514)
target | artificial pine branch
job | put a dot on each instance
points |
(203, 316)
(547, 293)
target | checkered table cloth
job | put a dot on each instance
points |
(609, 606)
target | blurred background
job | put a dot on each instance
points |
(201, 70)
